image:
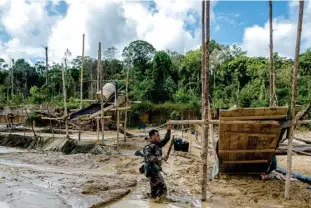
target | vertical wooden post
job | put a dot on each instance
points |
(12, 79)
(81, 76)
(293, 103)
(97, 87)
(46, 66)
(205, 58)
(65, 98)
(117, 109)
(126, 102)
(101, 92)
(79, 136)
(92, 84)
(272, 71)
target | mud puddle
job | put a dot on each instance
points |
(4, 150)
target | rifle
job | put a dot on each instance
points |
(139, 153)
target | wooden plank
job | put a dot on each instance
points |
(304, 122)
(99, 112)
(263, 122)
(254, 117)
(247, 151)
(176, 122)
(241, 112)
(244, 161)
(272, 135)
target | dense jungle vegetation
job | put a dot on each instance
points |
(161, 79)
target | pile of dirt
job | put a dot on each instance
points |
(66, 146)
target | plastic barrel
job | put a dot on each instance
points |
(108, 90)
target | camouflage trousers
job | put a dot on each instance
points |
(157, 185)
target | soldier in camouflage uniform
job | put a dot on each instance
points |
(153, 155)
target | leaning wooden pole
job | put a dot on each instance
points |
(272, 71)
(205, 64)
(101, 91)
(65, 98)
(81, 75)
(293, 102)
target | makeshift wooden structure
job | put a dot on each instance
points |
(248, 148)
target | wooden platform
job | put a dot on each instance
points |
(248, 148)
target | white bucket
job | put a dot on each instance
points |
(108, 90)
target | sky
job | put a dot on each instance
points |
(27, 26)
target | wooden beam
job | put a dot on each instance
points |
(247, 151)
(244, 161)
(254, 117)
(99, 112)
(304, 122)
(48, 118)
(181, 122)
(265, 122)
(119, 109)
(85, 100)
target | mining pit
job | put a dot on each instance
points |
(51, 171)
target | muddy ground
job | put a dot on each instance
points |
(31, 178)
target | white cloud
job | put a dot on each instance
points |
(28, 25)
(256, 38)
(113, 23)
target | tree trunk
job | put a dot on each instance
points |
(293, 103)
(81, 76)
(272, 72)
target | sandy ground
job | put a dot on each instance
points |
(52, 179)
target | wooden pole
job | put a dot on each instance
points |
(293, 103)
(79, 136)
(118, 112)
(101, 91)
(97, 87)
(205, 66)
(12, 78)
(126, 102)
(272, 71)
(46, 66)
(65, 98)
(81, 76)
(92, 84)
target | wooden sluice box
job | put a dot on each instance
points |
(248, 148)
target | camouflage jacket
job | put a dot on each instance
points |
(153, 151)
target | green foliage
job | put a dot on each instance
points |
(168, 83)
(36, 97)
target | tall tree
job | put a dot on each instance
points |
(293, 103)
(272, 71)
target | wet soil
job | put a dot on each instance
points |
(32, 178)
